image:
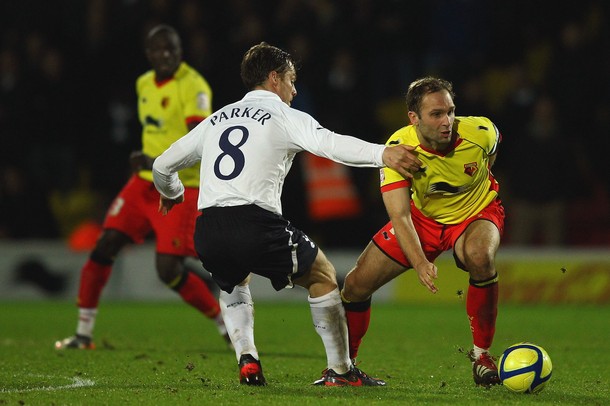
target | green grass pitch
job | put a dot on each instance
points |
(165, 353)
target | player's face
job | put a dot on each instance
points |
(164, 54)
(434, 124)
(286, 89)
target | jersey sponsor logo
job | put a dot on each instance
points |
(149, 120)
(470, 168)
(444, 187)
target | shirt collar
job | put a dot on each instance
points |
(261, 94)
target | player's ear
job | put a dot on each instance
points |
(413, 118)
(274, 77)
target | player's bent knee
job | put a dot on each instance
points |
(109, 245)
(479, 261)
(168, 276)
(481, 270)
(170, 269)
(353, 291)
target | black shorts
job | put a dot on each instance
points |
(233, 242)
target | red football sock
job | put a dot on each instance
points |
(358, 315)
(93, 278)
(195, 292)
(482, 309)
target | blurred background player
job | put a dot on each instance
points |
(172, 99)
(246, 150)
(450, 203)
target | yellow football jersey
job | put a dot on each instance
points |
(454, 185)
(165, 109)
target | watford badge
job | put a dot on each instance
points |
(470, 168)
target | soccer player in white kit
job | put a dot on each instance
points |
(246, 150)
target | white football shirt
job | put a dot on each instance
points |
(246, 150)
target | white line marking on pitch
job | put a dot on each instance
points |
(76, 383)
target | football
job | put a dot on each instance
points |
(525, 368)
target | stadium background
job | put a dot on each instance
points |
(68, 121)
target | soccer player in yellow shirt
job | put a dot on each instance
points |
(172, 99)
(451, 203)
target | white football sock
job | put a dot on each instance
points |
(329, 321)
(220, 324)
(86, 321)
(238, 314)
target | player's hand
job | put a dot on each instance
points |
(426, 273)
(403, 159)
(165, 204)
(138, 161)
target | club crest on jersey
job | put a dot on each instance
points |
(165, 102)
(470, 168)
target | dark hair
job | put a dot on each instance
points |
(164, 29)
(260, 60)
(421, 87)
